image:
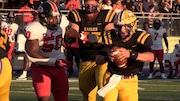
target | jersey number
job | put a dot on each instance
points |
(8, 31)
(156, 35)
(48, 47)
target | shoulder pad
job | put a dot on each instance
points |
(75, 14)
(142, 37)
(109, 16)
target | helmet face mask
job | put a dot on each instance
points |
(49, 15)
(125, 24)
(91, 6)
(123, 31)
(52, 22)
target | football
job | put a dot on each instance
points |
(117, 61)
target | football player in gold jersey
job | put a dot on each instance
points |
(92, 26)
(5, 67)
(122, 83)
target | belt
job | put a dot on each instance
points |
(83, 60)
(127, 77)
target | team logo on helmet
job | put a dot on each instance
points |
(40, 9)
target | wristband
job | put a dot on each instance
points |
(133, 55)
(52, 61)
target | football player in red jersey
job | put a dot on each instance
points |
(91, 25)
(174, 61)
(5, 67)
(43, 48)
(11, 28)
(122, 83)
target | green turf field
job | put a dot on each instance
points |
(149, 90)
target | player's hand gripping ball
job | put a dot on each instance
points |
(117, 60)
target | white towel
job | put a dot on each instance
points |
(114, 80)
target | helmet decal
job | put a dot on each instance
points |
(54, 7)
(40, 9)
(125, 18)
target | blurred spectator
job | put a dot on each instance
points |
(166, 10)
(10, 4)
(155, 4)
(167, 7)
(57, 2)
(152, 14)
(114, 1)
(146, 4)
(118, 6)
(176, 6)
(18, 4)
(27, 13)
(73, 4)
(31, 4)
(107, 4)
(128, 4)
(62, 5)
(3, 3)
(139, 8)
(176, 22)
(161, 5)
(36, 4)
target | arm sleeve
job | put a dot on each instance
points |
(47, 61)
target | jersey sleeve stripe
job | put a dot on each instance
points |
(3, 39)
(76, 16)
(109, 16)
(143, 37)
(107, 37)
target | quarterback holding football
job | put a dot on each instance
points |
(128, 50)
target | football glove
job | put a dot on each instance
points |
(83, 37)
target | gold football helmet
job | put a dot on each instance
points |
(126, 17)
